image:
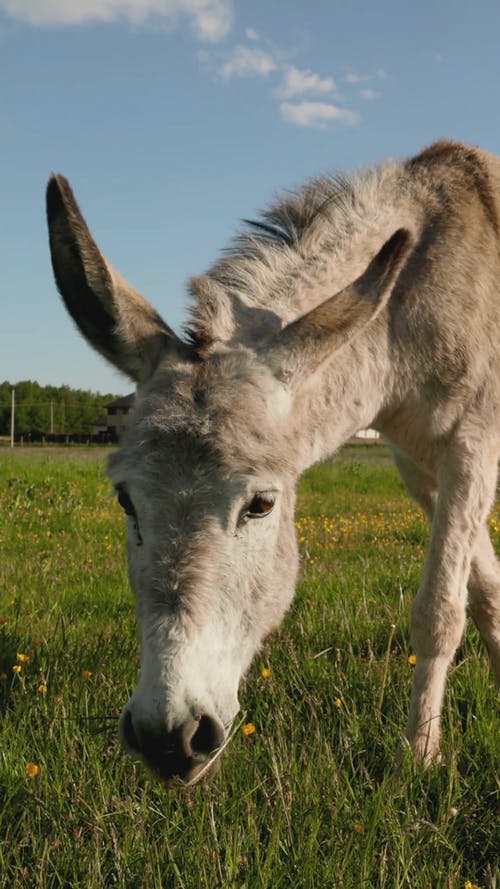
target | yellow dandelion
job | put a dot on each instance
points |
(16, 668)
(412, 659)
(32, 770)
(265, 672)
(337, 703)
(469, 885)
(23, 658)
(86, 674)
(249, 729)
(42, 688)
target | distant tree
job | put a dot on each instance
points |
(74, 410)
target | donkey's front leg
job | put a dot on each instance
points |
(466, 483)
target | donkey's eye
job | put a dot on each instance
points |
(125, 501)
(260, 506)
(129, 509)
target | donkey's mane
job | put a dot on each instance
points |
(289, 220)
(277, 267)
(253, 288)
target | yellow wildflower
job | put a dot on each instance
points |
(86, 674)
(469, 885)
(337, 703)
(42, 688)
(265, 672)
(249, 729)
(23, 658)
(32, 769)
(412, 659)
(16, 668)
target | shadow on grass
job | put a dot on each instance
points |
(10, 645)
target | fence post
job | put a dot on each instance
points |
(12, 417)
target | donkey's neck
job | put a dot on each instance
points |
(344, 397)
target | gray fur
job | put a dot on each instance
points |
(277, 374)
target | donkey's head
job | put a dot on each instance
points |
(206, 475)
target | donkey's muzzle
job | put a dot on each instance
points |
(181, 753)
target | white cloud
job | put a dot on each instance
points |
(298, 81)
(353, 77)
(316, 114)
(252, 34)
(246, 62)
(370, 94)
(210, 19)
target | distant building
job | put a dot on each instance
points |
(368, 434)
(112, 423)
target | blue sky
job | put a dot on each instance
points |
(174, 119)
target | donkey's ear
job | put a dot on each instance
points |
(302, 346)
(113, 317)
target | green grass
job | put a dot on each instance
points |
(310, 800)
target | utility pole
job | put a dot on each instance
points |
(12, 417)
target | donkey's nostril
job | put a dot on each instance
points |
(208, 736)
(179, 752)
(127, 732)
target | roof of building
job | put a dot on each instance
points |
(126, 401)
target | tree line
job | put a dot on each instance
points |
(37, 407)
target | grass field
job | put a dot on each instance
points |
(310, 799)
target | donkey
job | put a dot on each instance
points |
(373, 301)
